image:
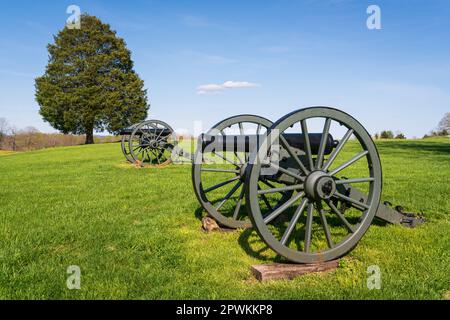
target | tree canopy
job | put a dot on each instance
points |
(89, 83)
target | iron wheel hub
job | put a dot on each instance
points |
(319, 186)
(153, 144)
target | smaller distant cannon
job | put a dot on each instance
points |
(149, 143)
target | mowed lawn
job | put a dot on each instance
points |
(136, 233)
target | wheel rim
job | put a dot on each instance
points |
(152, 143)
(312, 233)
(221, 194)
(125, 145)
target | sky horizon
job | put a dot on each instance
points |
(207, 60)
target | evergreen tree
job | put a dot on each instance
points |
(89, 83)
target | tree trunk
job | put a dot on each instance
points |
(14, 145)
(90, 136)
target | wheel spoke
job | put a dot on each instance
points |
(150, 153)
(353, 201)
(293, 155)
(298, 213)
(358, 180)
(308, 227)
(283, 207)
(146, 154)
(241, 128)
(270, 185)
(341, 216)
(289, 173)
(326, 229)
(338, 149)
(323, 143)
(229, 194)
(142, 132)
(142, 150)
(219, 170)
(258, 130)
(217, 186)
(156, 156)
(281, 189)
(165, 138)
(159, 135)
(239, 158)
(349, 162)
(161, 154)
(154, 127)
(307, 144)
(238, 204)
(226, 159)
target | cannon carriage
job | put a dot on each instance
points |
(310, 196)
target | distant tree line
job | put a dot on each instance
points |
(442, 130)
(389, 134)
(28, 139)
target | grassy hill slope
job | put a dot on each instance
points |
(135, 233)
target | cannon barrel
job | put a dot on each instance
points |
(153, 131)
(247, 143)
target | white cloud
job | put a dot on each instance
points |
(213, 88)
(239, 84)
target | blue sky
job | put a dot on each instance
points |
(285, 54)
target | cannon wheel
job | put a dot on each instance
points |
(319, 229)
(125, 144)
(149, 147)
(220, 190)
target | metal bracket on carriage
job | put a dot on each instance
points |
(385, 211)
(408, 219)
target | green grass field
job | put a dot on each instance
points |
(135, 233)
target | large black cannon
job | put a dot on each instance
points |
(299, 188)
(247, 143)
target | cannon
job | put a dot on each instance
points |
(149, 143)
(310, 196)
